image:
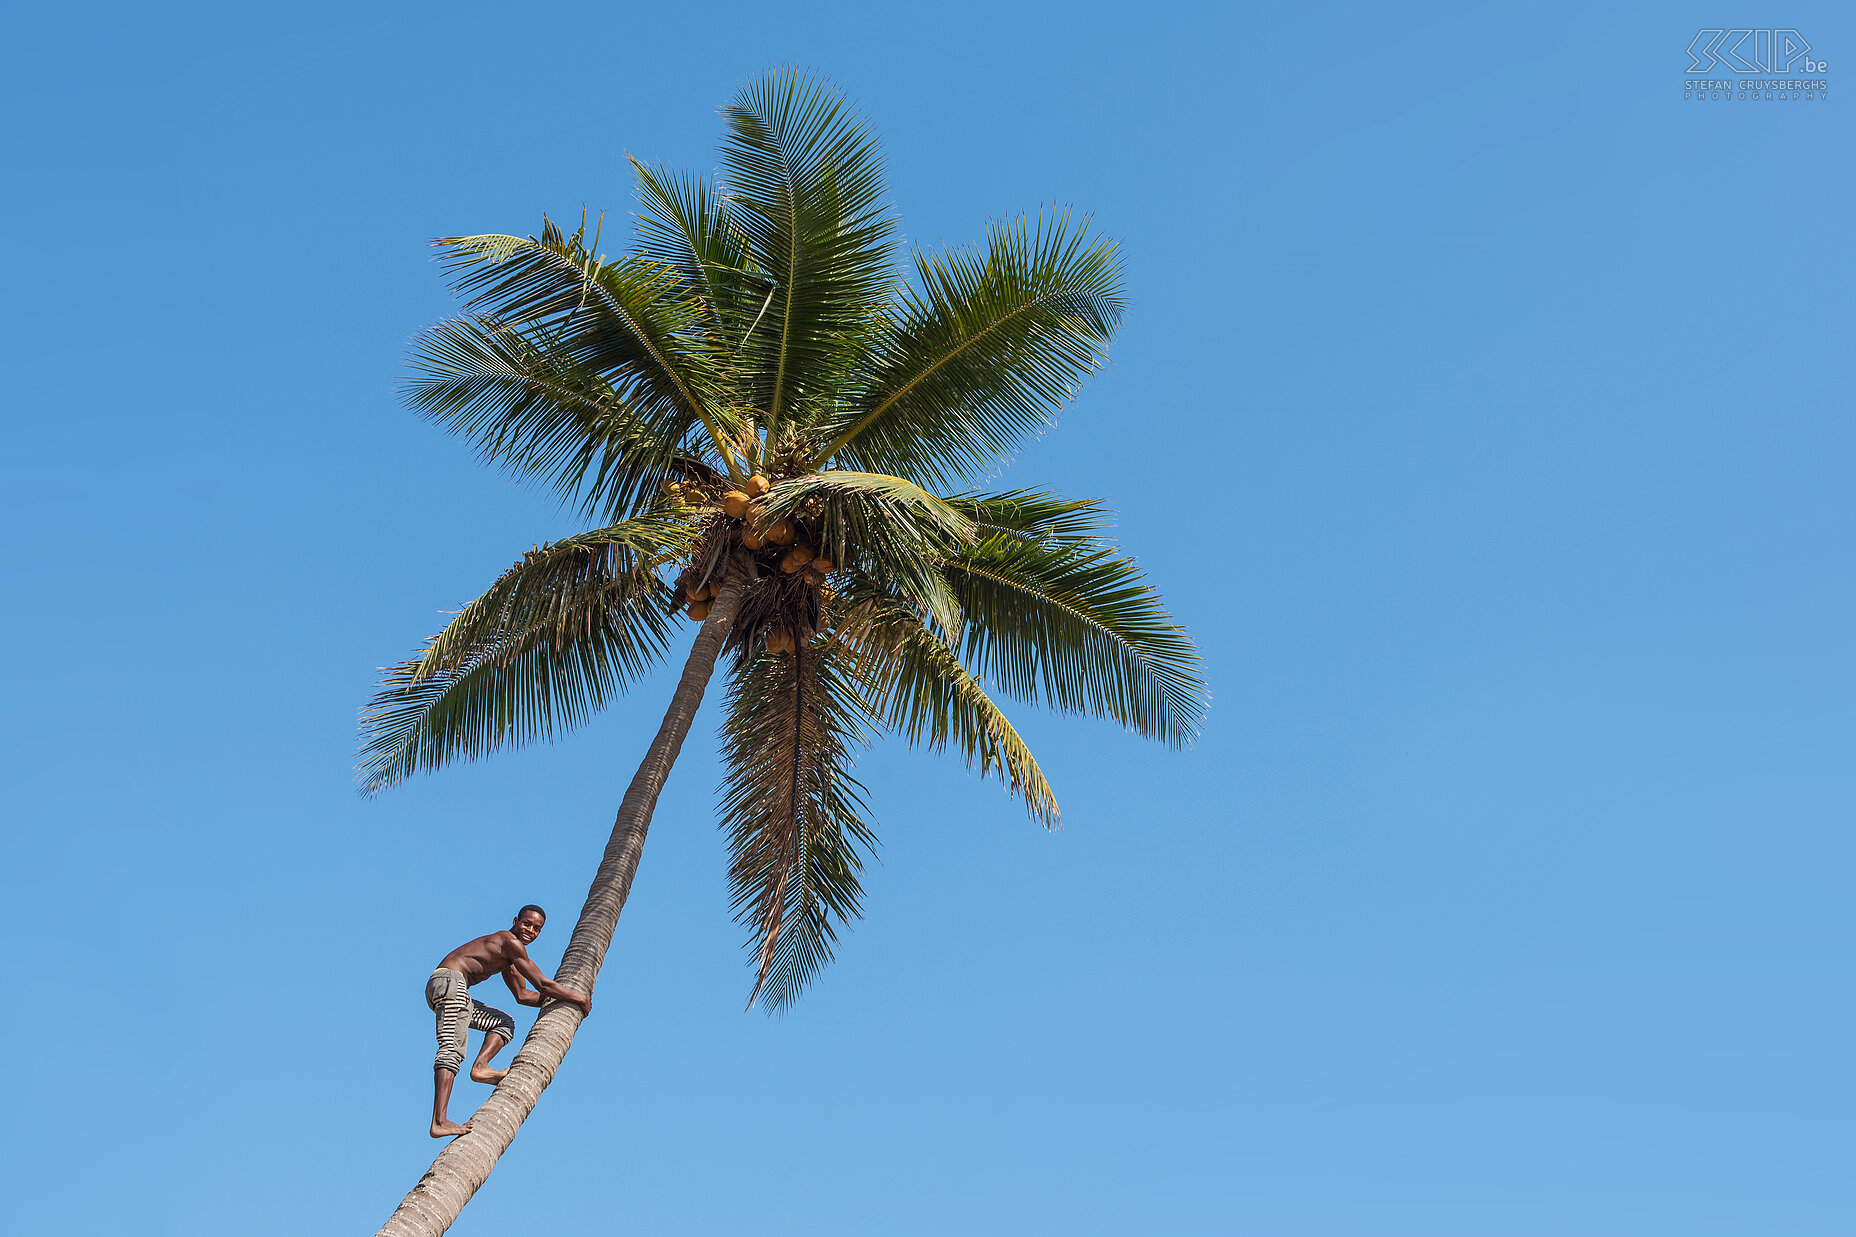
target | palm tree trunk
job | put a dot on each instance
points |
(465, 1163)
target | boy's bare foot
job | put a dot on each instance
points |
(488, 1075)
(449, 1129)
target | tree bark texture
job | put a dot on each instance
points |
(466, 1162)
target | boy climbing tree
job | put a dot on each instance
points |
(447, 992)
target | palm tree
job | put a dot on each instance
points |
(773, 434)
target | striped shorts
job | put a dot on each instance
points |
(449, 997)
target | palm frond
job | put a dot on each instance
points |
(1070, 622)
(795, 816)
(526, 405)
(626, 320)
(686, 224)
(914, 684)
(559, 634)
(986, 349)
(804, 180)
(1031, 515)
(886, 527)
(551, 584)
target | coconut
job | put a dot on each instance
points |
(824, 565)
(699, 610)
(814, 576)
(779, 640)
(795, 558)
(751, 538)
(758, 485)
(781, 532)
(735, 503)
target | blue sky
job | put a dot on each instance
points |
(1482, 407)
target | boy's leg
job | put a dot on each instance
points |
(442, 1125)
(449, 998)
(480, 1070)
(498, 1029)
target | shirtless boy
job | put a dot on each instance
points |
(448, 994)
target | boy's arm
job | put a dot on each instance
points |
(526, 968)
(524, 994)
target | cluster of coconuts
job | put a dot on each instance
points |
(758, 533)
(701, 597)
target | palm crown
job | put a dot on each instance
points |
(764, 418)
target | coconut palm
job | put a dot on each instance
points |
(775, 435)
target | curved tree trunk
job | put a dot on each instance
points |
(466, 1161)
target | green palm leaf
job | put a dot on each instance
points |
(1069, 621)
(1031, 515)
(686, 224)
(804, 180)
(985, 350)
(528, 406)
(794, 815)
(559, 634)
(885, 527)
(914, 684)
(625, 320)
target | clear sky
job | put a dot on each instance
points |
(1483, 408)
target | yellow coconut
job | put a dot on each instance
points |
(735, 503)
(696, 592)
(824, 565)
(781, 532)
(751, 538)
(757, 485)
(699, 610)
(795, 559)
(814, 576)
